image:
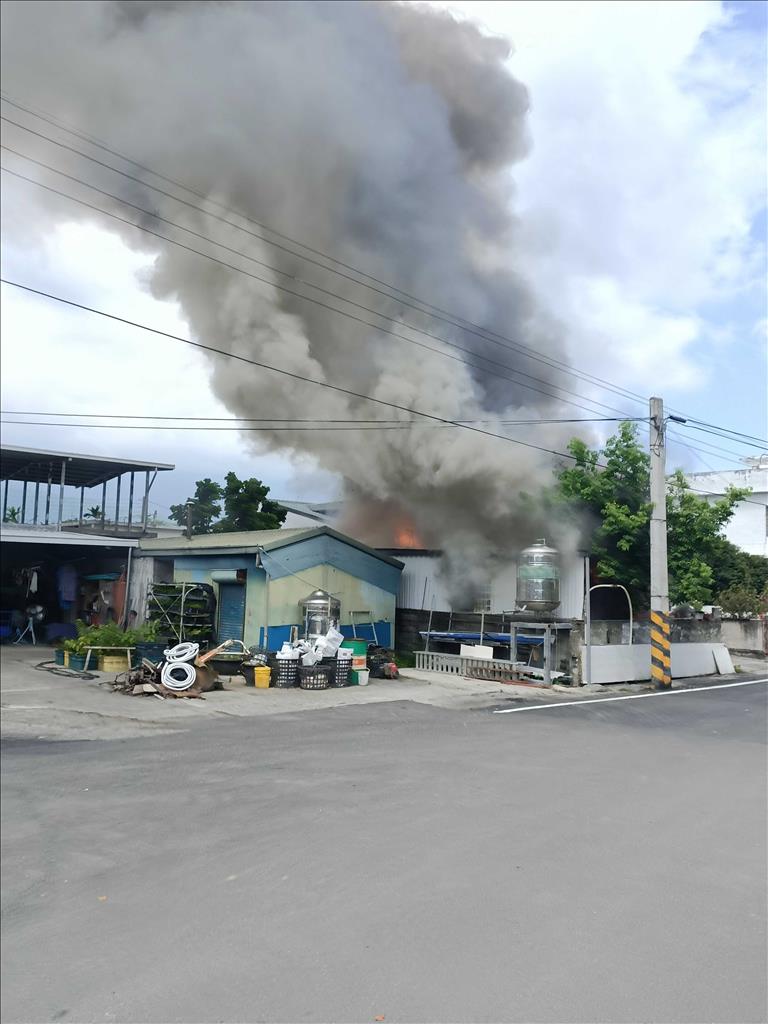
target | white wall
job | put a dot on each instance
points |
(420, 583)
(745, 635)
(421, 569)
(748, 528)
(625, 663)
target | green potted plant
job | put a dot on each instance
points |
(149, 643)
(74, 655)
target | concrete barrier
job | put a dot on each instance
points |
(746, 636)
(612, 663)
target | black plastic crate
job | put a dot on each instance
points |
(285, 673)
(341, 672)
(314, 677)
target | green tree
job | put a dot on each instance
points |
(735, 568)
(204, 507)
(742, 600)
(12, 514)
(694, 527)
(610, 490)
(247, 507)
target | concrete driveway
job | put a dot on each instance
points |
(396, 860)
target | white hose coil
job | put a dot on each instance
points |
(178, 675)
(182, 652)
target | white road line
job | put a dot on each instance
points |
(26, 689)
(28, 707)
(629, 696)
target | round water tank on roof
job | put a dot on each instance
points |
(538, 578)
(320, 611)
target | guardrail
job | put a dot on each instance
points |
(455, 664)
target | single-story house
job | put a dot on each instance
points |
(261, 577)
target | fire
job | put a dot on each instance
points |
(406, 537)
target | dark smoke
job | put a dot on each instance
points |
(380, 133)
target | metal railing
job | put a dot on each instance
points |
(458, 665)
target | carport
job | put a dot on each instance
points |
(30, 474)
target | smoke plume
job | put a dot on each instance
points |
(381, 133)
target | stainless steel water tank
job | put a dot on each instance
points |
(538, 578)
(320, 611)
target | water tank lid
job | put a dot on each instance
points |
(319, 598)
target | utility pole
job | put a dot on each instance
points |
(660, 645)
(188, 509)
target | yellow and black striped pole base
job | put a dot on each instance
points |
(661, 672)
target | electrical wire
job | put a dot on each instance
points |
(307, 298)
(752, 444)
(289, 419)
(276, 369)
(738, 433)
(139, 426)
(424, 306)
(393, 292)
(710, 447)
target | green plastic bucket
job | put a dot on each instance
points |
(358, 647)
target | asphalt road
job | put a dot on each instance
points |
(590, 863)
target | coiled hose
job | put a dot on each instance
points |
(178, 675)
(182, 652)
(178, 672)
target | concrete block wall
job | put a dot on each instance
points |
(746, 636)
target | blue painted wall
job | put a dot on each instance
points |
(330, 551)
(365, 632)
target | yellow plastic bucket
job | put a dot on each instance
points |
(262, 675)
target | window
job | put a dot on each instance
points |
(483, 598)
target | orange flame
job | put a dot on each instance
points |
(406, 537)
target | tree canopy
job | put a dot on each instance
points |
(245, 502)
(202, 509)
(609, 490)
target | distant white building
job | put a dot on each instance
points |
(748, 528)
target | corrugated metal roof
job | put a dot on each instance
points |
(36, 465)
(251, 541)
(13, 534)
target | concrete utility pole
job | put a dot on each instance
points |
(188, 508)
(660, 646)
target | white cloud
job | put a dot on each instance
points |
(647, 170)
(61, 360)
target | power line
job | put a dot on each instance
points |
(317, 302)
(276, 369)
(712, 449)
(697, 455)
(709, 446)
(704, 430)
(283, 273)
(402, 296)
(738, 433)
(288, 419)
(142, 426)
(436, 311)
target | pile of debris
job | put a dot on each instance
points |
(381, 663)
(182, 673)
